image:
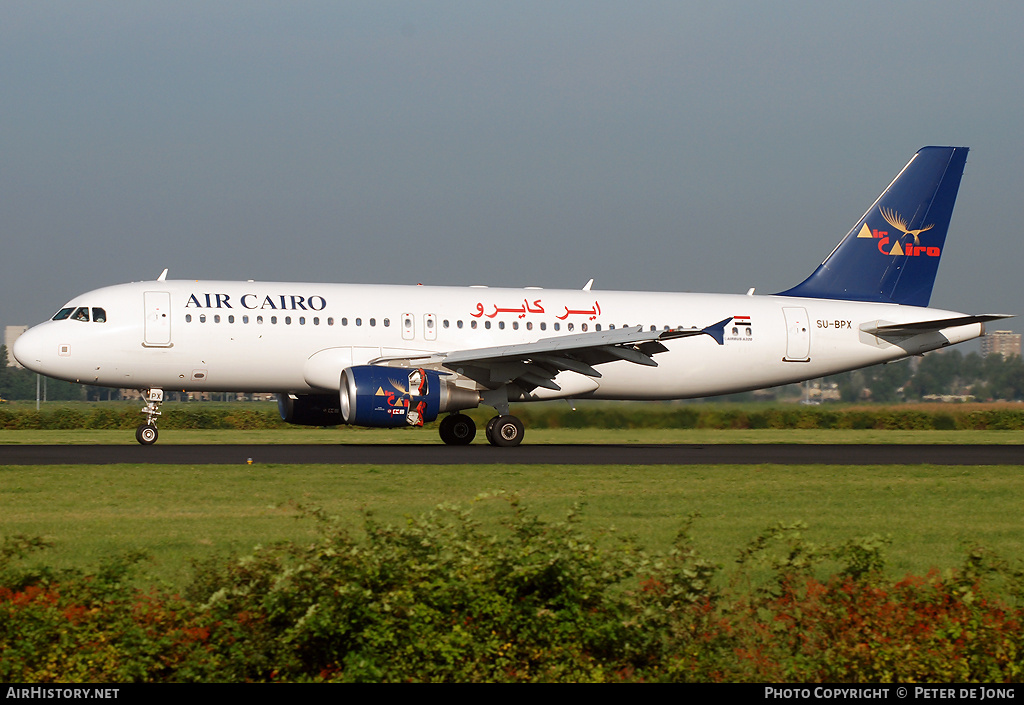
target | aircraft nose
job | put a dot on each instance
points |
(28, 349)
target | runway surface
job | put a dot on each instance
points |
(717, 454)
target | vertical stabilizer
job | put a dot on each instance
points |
(892, 254)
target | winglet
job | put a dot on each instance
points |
(717, 330)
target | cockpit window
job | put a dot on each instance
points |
(81, 313)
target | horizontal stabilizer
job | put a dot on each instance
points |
(938, 324)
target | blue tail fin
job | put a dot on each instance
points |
(892, 254)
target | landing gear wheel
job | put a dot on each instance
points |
(489, 429)
(457, 430)
(146, 434)
(505, 431)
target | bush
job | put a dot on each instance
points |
(259, 416)
(441, 599)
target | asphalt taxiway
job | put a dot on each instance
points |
(663, 454)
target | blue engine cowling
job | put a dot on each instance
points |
(392, 396)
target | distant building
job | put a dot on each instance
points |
(1003, 342)
(12, 333)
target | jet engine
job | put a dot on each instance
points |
(392, 396)
(309, 409)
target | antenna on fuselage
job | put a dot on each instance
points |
(163, 275)
(586, 287)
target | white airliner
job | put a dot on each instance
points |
(393, 356)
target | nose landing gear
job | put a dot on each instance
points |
(146, 434)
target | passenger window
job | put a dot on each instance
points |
(99, 315)
(188, 318)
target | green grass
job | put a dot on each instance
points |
(587, 436)
(179, 513)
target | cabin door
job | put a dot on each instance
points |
(798, 335)
(158, 319)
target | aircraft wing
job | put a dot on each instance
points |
(906, 329)
(536, 364)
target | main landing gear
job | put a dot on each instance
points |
(146, 434)
(459, 430)
(504, 430)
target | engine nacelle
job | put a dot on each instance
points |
(309, 409)
(392, 396)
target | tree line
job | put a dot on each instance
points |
(946, 373)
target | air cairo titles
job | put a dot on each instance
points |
(277, 302)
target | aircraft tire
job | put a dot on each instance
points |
(146, 434)
(457, 430)
(489, 430)
(505, 431)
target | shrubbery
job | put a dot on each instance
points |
(253, 416)
(442, 599)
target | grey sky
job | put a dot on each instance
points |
(677, 146)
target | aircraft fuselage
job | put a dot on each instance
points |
(295, 338)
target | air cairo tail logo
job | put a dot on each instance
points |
(910, 249)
